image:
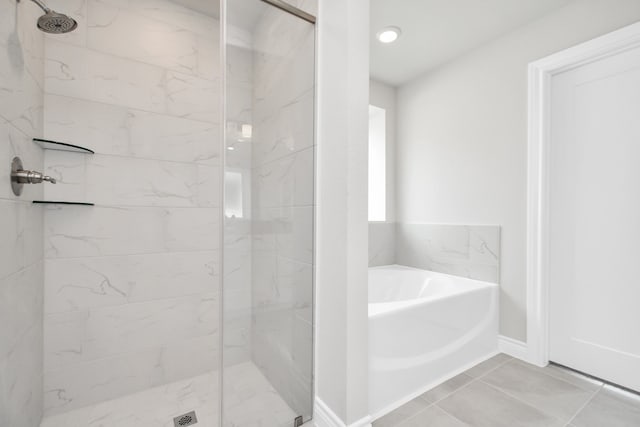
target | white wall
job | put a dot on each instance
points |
(462, 136)
(341, 367)
(132, 282)
(21, 255)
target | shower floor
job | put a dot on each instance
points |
(250, 401)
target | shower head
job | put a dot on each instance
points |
(54, 22)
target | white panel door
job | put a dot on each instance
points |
(594, 219)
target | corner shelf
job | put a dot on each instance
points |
(54, 202)
(61, 146)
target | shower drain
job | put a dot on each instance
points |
(187, 419)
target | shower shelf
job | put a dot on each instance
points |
(55, 202)
(61, 146)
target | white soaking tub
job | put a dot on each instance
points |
(425, 328)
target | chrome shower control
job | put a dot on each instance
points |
(19, 177)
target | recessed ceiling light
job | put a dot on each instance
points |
(388, 34)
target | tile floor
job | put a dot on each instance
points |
(251, 402)
(505, 392)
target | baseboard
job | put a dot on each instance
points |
(513, 348)
(323, 416)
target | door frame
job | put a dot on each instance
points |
(540, 74)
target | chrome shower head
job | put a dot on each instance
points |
(53, 22)
(56, 23)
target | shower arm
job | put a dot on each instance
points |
(42, 6)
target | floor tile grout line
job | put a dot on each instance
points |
(453, 392)
(492, 369)
(521, 401)
(595, 393)
(453, 416)
(429, 405)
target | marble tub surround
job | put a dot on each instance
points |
(471, 251)
(21, 255)
(132, 282)
(507, 392)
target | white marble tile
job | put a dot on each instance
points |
(21, 300)
(170, 12)
(193, 97)
(192, 229)
(75, 231)
(12, 248)
(469, 251)
(21, 97)
(117, 130)
(90, 75)
(285, 182)
(252, 400)
(70, 172)
(21, 381)
(132, 327)
(154, 407)
(286, 130)
(82, 283)
(119, 32)
(87, 383)
(294, 233)
(64, 334)
(122, 181)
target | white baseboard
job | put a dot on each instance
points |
(323, 416)
(513, 348)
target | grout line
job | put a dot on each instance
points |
(585, 405)
(128, 109)
(414, 415)
(510, 359)
(452, 416)
(521, 401)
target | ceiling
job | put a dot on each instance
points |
(436, 31)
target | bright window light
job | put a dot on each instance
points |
(233, 194)
(377, 164)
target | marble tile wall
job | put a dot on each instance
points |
(471, 251)
(21, 255)
(237, 225)
(131, 285)
(283, 204)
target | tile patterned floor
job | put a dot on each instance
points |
(251, 402)
(505, 392)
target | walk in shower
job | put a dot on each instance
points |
(166, 277)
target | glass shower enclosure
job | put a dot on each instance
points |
(268, 255)
(166, 278)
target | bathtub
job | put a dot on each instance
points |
(425, 328)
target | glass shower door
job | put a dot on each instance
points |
(268, 216)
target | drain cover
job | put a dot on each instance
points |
(187, 419)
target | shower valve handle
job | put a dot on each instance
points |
(30, 177)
